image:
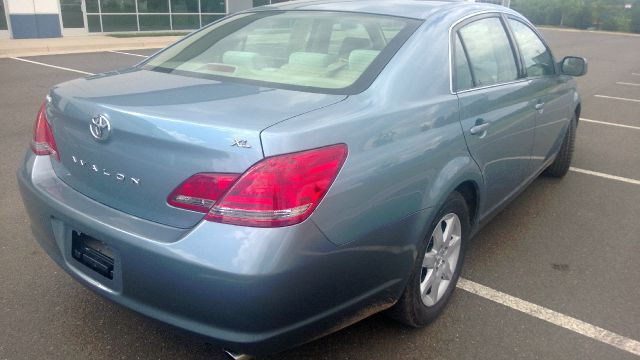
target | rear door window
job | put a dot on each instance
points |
(489, 52)
(463, 79)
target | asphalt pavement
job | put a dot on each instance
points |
(571, 245)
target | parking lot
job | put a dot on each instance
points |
(556, 275)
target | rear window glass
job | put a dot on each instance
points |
(325, 51)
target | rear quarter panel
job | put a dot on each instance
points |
(406, 148)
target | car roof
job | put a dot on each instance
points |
(417, 9)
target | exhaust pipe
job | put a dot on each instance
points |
(235, 356)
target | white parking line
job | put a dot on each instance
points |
(617, 98)
(126, 53)
(553, 317)
(627, 84)
(610, 124)
(636, 74)
(606, 176)
(51, 66)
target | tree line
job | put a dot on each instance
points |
(609, 15)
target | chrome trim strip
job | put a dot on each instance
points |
(260, 214)
(491, 86)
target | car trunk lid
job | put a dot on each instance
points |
(162, 128)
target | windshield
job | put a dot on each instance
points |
(313, 50)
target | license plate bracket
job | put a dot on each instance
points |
(92, 253)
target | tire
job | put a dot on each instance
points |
(560, 166)
(413, 308)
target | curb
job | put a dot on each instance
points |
(83, 48)
(542, 27)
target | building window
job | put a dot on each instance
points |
(152, 15)
(71, 13)
(112, 23)
(213, 6)
(92, 6)
(155, 22)
(93, 23)
(184, 6)
(185, 22)
(118, 6)
(153, 6)
(3, 17)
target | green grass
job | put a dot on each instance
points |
(147, 34)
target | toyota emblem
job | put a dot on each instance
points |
(100, 128)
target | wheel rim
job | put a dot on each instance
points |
(440, 259)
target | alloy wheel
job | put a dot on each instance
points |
(440, 259)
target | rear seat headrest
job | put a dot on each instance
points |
(311, 59)
(242, 58)
(359, 60)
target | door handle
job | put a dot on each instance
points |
(479, 128)
(539, 106)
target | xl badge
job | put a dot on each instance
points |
(100, 128)
(241, 143)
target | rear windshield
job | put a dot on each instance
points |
(331, 52)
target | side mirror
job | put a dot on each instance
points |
(573, 66)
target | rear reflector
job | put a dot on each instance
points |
(201, 191)
(281, 190)
(43, 142)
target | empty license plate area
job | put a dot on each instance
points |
(93, 253)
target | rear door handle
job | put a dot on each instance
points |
(479, 128)
(539, 106)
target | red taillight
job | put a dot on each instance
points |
(277, 191)
(43, 142)
(201, 191)
(281, 190)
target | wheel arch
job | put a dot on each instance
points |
(463, 175)
(469, 191)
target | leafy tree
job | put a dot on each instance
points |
(610, 15)
(634, 25)
(568, 8)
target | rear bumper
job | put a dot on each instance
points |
(251, 290)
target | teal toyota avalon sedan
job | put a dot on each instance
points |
(294, 168)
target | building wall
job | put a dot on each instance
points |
(34, 18)
(239, 5)
(53, 18)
